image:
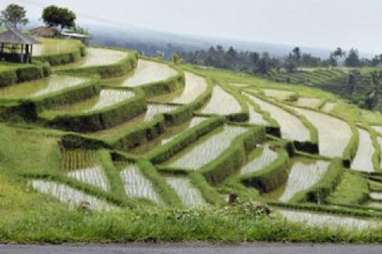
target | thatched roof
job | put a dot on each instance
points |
(14, 36)
(44, 31)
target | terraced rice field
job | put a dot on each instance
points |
(376, 195)
(138, 186)
(334, 134)
(291, 127)
(308, 102)
(107, 98)
(100, 56)
(327, 220)
(266, 157)
(221, 103)
(363, 160)
(207, 149)
(53, 47)
(281, 95)
(328, 107)
(379, 140)
(255, 117)
(148, 72)
(188, 194)
(72, 197)
(152, 111)
(302, 176)
(53, 84)
(377, 129)
(194, 122)
(194, 87)
(94, 176)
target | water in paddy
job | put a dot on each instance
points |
(334, 134)
(188, 194)
(302, 176)
(327, 220)
(376, 195)
(221, 103)
(99, 57)
(137, 185)
(281, 95)
(255, 117)
(194, 87)
(363, 160)
(261, 160)
(377, 129)
(106, 98)
(308, 102)
(291, 127)
(84, 166)
(169, 135)
(207, 149)
(69, 195)
(53, 84)
(148, 72)
(328, 107)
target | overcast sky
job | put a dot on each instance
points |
(317, 23)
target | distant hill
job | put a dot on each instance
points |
(152, 42)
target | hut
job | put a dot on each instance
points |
(44, 31)
(16, 46)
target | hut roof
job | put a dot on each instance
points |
(12, 35)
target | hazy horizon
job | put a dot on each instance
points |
(310, 23)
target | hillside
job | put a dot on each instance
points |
(102, 144)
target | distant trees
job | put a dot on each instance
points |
(352, 60)
(13, 15)
(57, 16)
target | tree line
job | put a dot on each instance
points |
(262, 63)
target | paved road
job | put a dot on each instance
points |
(259, 248)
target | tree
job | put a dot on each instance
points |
(176, 59)
(297, 53)
(57, 16)
(353, 59)
(13, 15)
(290, 64)
(264, 64)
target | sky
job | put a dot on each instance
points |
(311, 23)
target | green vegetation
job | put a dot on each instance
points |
(116, 147)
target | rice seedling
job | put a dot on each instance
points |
(137, 185)
(148, 72)
(363, 160)
(328, 107)
(73, 197)
(334, 134)
(78, 159)
(266, 157)
(190, 196)
(194, 87)
(302, 176)
(43, 87)
(308, 102)
(222, 103)
(281, 95)
(291, 127)
(206, 149)
(327, 220)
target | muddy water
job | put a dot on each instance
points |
(188, 194)
(363, 160)
(221, 103)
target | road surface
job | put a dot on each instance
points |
(192, 248)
